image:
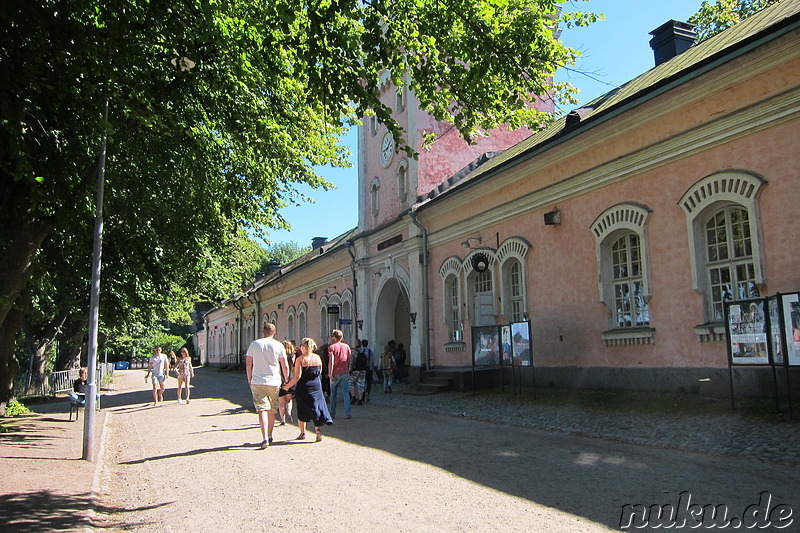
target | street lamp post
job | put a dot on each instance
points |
(94, 299)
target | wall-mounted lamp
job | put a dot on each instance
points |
(553, 218)
(466, 244)
(413, 317)
(326, 291)
(525, 315)
(360, 324)
(312, 295)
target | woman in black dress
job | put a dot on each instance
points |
(311, 404)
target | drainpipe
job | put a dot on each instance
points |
(349, 244)
(239, 306)
(204, 355)
(427, 310)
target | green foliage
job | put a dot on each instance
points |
(15, 408)
(284, 253)
(718, 15)
(218, 113)
(143, 343)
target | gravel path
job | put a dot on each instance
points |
(448, 462)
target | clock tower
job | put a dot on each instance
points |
(390, 182)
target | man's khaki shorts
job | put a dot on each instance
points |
(265, 397)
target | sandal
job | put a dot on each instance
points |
(319, 436)
(301, 436)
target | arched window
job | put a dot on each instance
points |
(620, 234)
(401, 99)
(451, 297)
(324, 327)
(730, 271)
(512, 256)
(374, 188)
(301, 322)
(402, 180)
(725, 248)
(630, 307)
(290, 325)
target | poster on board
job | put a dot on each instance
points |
(747, 327)
(521, 344)
(505, 344)
(791, 324)
(773, 307)
(486, 346)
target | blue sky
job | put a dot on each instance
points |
(614, 50)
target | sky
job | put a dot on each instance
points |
(615, 50)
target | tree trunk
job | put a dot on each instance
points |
(9, 366)
(16, 258)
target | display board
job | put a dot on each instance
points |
(521, 348)
(790, 326)
(486, 346)
(747, 332)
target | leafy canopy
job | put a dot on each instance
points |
(718, 15)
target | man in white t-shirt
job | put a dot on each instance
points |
(158, 368)
(264, 360)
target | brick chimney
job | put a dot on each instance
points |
(671, 39)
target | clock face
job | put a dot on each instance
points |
(387, 149)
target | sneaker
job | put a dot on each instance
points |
(180, 402)
(270, 441)
(349, 417)
(265, 445)
(360, 402)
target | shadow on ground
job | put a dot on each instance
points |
(34, 512)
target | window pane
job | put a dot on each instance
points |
(630, 306)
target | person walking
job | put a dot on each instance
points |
(264, 362)
(388, 367)
(286, 395)
(400, 359)
(358, 374)
(370, 367)
(339, 372)
(158, 370)
(311, 406)
(185, 373)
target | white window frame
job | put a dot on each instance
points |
(612, 224)
(699, 203)
(291, 324)
(450, 274)
(374, 190)
(512, 252)
(302, 321)
(402, 180)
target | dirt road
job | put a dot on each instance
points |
(197, 468)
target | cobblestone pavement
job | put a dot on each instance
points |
(732, 434)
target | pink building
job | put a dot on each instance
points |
(618, 232)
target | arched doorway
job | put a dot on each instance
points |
(391, 316)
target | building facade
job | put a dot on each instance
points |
(618, 232)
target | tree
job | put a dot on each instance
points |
(284, 253)
(720, 15)
(218, 110)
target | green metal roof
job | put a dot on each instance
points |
(764, 23)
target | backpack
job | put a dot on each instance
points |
(361, 360)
